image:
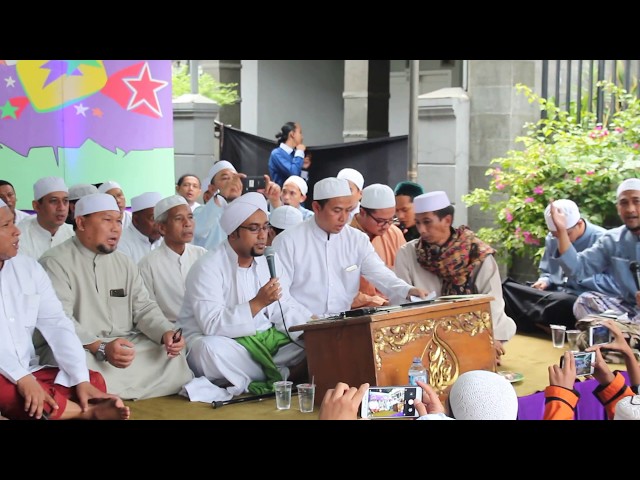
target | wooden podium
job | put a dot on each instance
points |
(451, 337)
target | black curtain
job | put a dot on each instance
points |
(380, 160)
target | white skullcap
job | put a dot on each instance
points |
(571, 213)
(430, 202)
(351, 174)
(145, 200)
(79, 190)
(628, 408)
(483, 395)
(240, 209)
(168, 203)
(2, 204)
(108, 185)
(47, 185)
(299, 182)
(331, 187)
(377, 196)
(628, 184)
(96, 202)
(219, 166)
(285, 216)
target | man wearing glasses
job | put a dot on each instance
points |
(376, 218)
(235, 317)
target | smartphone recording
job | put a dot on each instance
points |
(390, 402)
(253, 184)
(584, 362)
(599, 335)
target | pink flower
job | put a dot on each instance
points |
(528, 200)
(578, 180)
(538, 190)
(500, 186)
(636, 145)
(619, 129)
(508, 216)
(590, 172)
(529, 239)
(598, 127)
(592, 135)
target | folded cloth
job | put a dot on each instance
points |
(200, 389)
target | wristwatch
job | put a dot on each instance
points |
(101, 355)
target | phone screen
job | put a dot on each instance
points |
(390, 402)
(583, 362)
(598, 335)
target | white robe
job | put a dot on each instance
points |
(135, 245)
(21, 215)
(35, 240)
(28, 301)
(164, 273)
(325, 268)
(487, 282)
(84, 282)
(216, 310)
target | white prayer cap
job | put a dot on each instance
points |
(285, 216)
(378, 195)
(571, 213)
(331, 187)
(2, 204)
(299, 182)
(108, 185)
(628, 184)
(168, 203)
(483, 395)
(240, 209)
(79, 190)
(353, 175)
(96, 202)
(145, 200)
(47, 185)
(431, 202)
(628, 408)
(219, 166)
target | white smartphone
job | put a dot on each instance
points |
(390, 402)
(584, 362)
(599, 335)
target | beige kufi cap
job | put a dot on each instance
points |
(167, 204)
(571, 213)
(483, 395)
(240, 209)
(431, 202)
(108, 185)
(378, 195)
(218, 167)
(46, 185)
(96, 202)
(331, 187)
(353, 175)
(285, 216)
(145, 200)
(299, 182)
(628, 184)
(79, 190)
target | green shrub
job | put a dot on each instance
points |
(222, 93)
(559, 159)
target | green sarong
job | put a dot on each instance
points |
(261, 347)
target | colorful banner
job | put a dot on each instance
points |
(87, 121)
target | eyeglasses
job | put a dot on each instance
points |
(256, 228)
(381, 222)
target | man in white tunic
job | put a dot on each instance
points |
(30, 389)
(113, 188)
(235, 316)
(76, 192)
(324, 256)
(165, 269)
(142, 235)
(8, 196)
(453, 261)
(47, 228)
(125, 334)
(356, 183)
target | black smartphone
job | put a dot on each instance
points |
(253, 184)
(177, 335)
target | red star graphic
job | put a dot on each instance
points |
(145, 90)
(97, 112)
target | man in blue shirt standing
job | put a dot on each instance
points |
(287, 158)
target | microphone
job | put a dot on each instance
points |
(635, 268)
(269, 253)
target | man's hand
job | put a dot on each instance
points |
(86, 392)
(272, 191)
(540, 285)
(417, 292)
(564, 376)
(34, 396)
(268, 293)
(558, 217)
(173, 347)
(430, 402)
(120, 352)
(342, 402)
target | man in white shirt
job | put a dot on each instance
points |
(8, 196)
(188, 185)
(47, 228)
(324, 257)
(114, 189)
(235, 316)
(30, 389)
(142, 235)
(356, 183)
(294, 193)
(165, 268)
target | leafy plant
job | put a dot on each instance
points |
(560, 158)
(222, 93)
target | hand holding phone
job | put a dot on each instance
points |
(390, 402)
(253, 184)
(177, 335)
(584, 362)
(599, 335)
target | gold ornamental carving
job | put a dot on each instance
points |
(443, 364)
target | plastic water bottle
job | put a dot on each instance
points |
(417, 372)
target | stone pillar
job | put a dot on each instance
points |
(443, 139)
(366, 99)
(193, 132)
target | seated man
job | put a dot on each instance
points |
(235, 317)
(142, 235)
(126, 336)
(113, 188)
(281, 218)
(550, 299)
(294, 193)
(356, 183)
(30, 389)
(405, 193)
(8, 196)
(164, 270)
(76, 192)
(453, 261)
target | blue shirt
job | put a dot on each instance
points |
(283, 163)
